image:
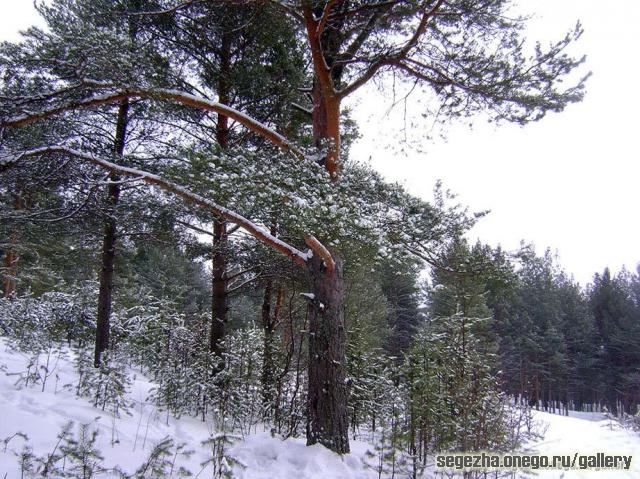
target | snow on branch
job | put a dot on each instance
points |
(325, 16)
(260, 234)
(321, 251)
(176, 96)
(166, 11)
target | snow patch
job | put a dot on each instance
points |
(126, 441)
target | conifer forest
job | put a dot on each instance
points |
(179, 207)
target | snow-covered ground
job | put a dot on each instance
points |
(585, 433)
(127, 441)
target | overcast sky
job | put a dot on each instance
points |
(569, 182)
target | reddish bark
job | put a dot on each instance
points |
(326, 129)
(327, 395)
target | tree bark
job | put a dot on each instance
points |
(267, 356)
(10, 260)
(219, 299)
(327, 395)
(220, 296)
(327, 399)
(224, 90)
(326, 129)
(109, 241)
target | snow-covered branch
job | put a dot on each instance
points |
(241, 284)
(166, 11)
(175, 96)
(319, 249)
(257, 232)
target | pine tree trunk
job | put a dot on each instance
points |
(109, 242)
(10, 261)
(327, 399)
(326, 130)
(267, 357)
(327, 421)
(270, 320)
(219, 299)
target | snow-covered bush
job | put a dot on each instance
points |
(43, 326)
(372, 392)
(445, 397)
(220, 461)
(288, 413)
(237, 389)
(161, 462)
(173, 350)
(106, 386)
(34, 324)
(452, 392)
(73, 456)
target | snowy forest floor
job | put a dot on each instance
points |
(585, 433)
(127, 441)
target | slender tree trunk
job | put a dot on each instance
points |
(267, 370)
(224, 90)
(11, 256)
(10, 261)
(327, 400)
(220, 297)
(270, 320)
(109, 242)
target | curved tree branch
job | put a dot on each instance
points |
(254, 230)
(166, 11)
(319, 249)
(394, 58)
(325, 16)
(320, 67)
(158, 94)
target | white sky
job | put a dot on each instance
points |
(569, 182)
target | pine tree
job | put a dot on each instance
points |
(348, 45)
(616, 320)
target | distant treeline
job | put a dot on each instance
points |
(559, 345)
